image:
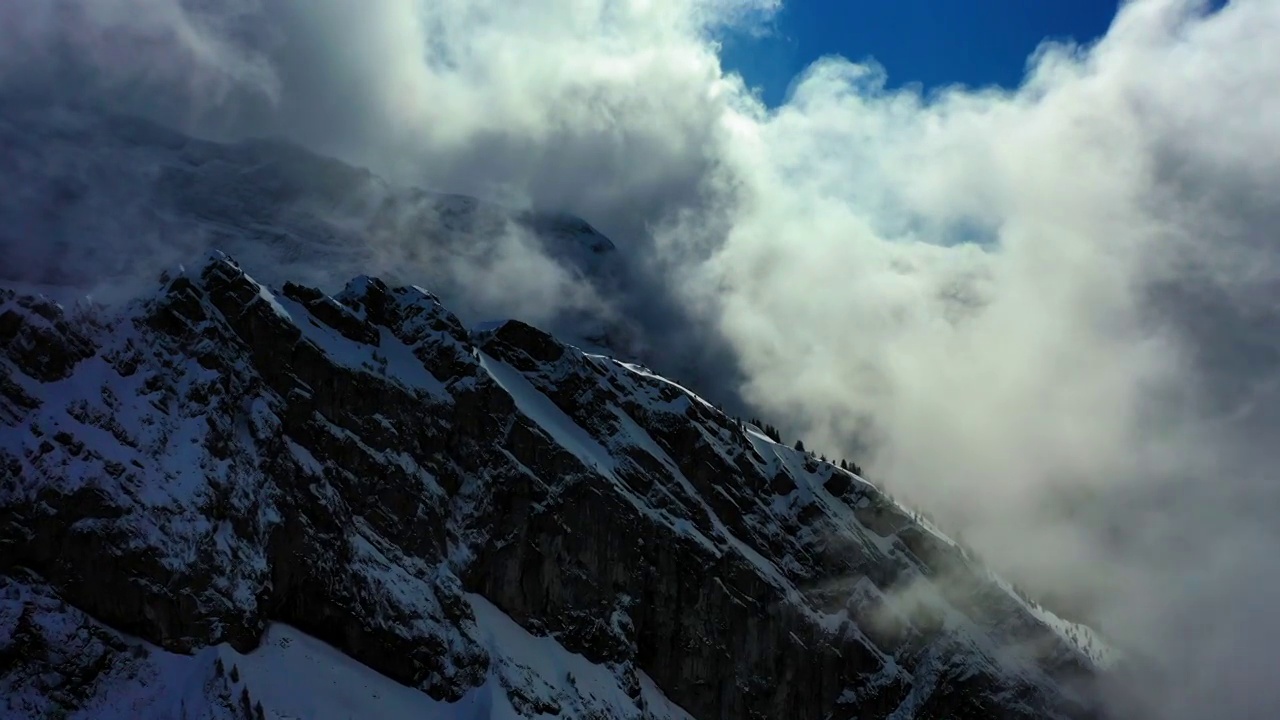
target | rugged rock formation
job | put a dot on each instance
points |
(220, 460)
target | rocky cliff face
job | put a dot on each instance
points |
(502, 525)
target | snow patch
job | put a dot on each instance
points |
(539, 408)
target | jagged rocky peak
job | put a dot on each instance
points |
(351, 504)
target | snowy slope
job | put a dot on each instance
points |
(291, 675)
(355, 489)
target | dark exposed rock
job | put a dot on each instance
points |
(838, 484)
(332, 313)
(533, 344)
(40, 339)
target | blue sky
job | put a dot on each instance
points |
(931, 42)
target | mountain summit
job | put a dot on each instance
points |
(225, 499)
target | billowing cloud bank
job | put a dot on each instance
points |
(1051, 314)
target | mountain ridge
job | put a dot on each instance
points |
(219, 459)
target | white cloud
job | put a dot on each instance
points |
(1014, 297)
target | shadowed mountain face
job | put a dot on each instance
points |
(223, 474)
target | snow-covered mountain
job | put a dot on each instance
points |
(230, 498)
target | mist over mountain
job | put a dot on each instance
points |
(1046, 314)
(115, 200)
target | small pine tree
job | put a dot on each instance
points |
(771, 432)
(800, 446)
(246, 703)
(258, 712)
(218, 669)
(235, 673)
